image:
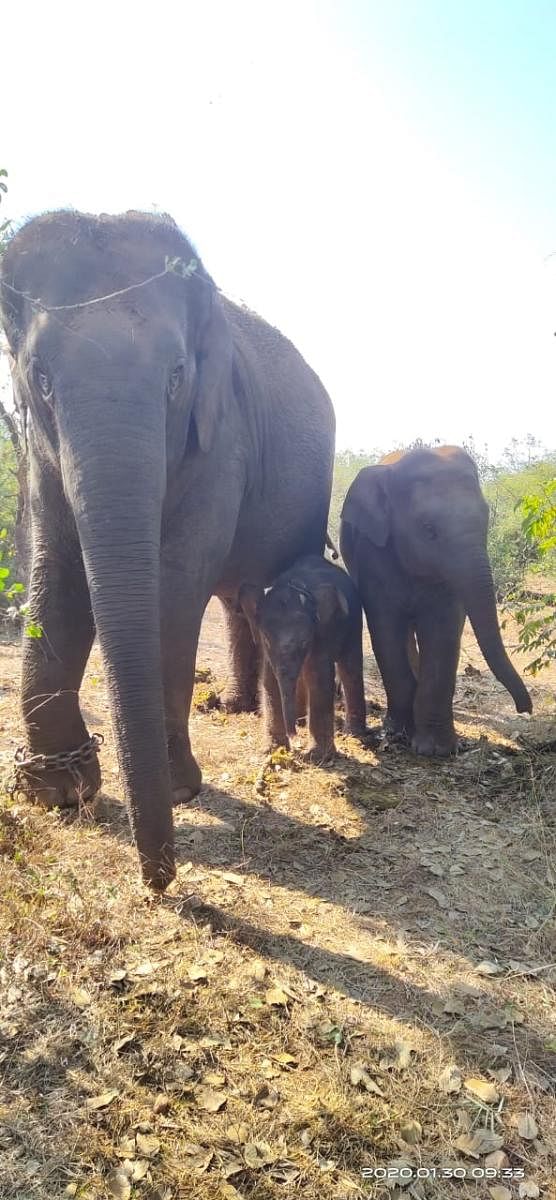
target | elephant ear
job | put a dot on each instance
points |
(367, 506)
(249, 598)
(329, 599)
(214, 353)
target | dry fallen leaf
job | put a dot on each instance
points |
(528, 1187)
(148, 1146)
(359, 1075)
(489, 1019)
(450, 1079)
(238, 1133)
(284, 1171)
(231, 877)
(437, 895)
(139, 1169)
(161, 1104)
(117, 1183)
(197, 974)
(527, 1127)
(230, 1166)
(258, 1154)
(411, 1132)
(275, 996)
(499, 1160)
(209, 1100)
(478, 1143)
(101, 1101)
(484, 1090)
(487, 968)
(199, 1163)
(286, 1060)
(498, 1192)
(81, 998)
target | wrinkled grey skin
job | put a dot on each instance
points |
(414, 539)
(308, 621)
(177, 446)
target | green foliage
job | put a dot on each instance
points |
(33, 630)
(536, 614)
(9, 587)
(347, 465)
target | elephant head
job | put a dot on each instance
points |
(287, 619)
(427, 506)
(123, 358)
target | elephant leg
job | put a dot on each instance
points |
(242, 693)
(439, 631)
(52, 671)
(320, 676)
(181, 617)
(350, 670)
(275, 727)
(389, 636)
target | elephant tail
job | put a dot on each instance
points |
(413, 652)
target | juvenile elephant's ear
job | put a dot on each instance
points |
(214, 371)
(329, 599)
(367, 507)
(249, 598)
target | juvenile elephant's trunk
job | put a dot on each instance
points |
(287, 684)
(477, 589)
(114, 474)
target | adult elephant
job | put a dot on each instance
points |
(178, 445)
(414, 539)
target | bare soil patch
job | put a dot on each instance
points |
(356, 966)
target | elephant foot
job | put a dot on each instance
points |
(398, 726)
(239, 702)
(59, 788)
(185, 773)
(356, 729)
(434, 745)
(276, 742)
(317, 755)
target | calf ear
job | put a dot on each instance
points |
(214, 371)
(367, 506)
(249, 598)
(329, 599)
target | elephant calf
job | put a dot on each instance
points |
(307, 622)
(414, 539)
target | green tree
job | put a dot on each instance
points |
(536, 615)
(12, 465)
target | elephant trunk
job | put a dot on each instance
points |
(287, 683)
(114, 475)
(477, 590)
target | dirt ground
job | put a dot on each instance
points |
(355, 969)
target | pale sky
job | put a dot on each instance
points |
(376, 178)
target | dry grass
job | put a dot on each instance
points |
(310, 975)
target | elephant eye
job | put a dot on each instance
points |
(429, 530)
(176, 381)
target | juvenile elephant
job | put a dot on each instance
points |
(308, 621)
(177, 445)
(414, 539)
